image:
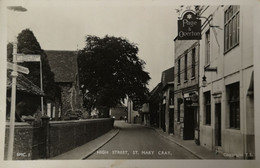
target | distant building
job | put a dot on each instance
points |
(133, 115)
(155, 105)
(119, 112)
(227, 91)
(65, 68)
(186, 89)
(145, 114)
(167, 107)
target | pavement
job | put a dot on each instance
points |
(197, 150)
(89, 148)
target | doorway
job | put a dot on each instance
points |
(171, 120)
(218, 124)
(189, 129)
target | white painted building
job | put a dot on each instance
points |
(227, 100)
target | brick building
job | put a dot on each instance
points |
(186, 89)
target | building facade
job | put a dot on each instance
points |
(186, 89)
(119, 112)
(155, 105)
(167, 105)
(132, 112)
(65, 68)
(226, 91)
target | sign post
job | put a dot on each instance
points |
(189, 27)
(16, 68)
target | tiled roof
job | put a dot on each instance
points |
(63, 64)
(24, 85)
(167, 76)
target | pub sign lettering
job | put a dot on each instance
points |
(189, 27)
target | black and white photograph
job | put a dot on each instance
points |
(134, 83)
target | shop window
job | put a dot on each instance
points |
(231, 27)
(207, 101)
(234, 105)
(193, 62)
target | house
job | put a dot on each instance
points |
(167, 106)
(65, 68)
(28, 97)
(227, 87)
(186, 89)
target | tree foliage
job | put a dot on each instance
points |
(28, 44)
(110, 70)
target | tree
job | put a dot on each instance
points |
(110, 70)
(28, 44)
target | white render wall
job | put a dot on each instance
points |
(234, 66)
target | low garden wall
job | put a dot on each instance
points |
(54, 137)
(67, 135)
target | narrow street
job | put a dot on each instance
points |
(139, 142)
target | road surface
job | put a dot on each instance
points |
(139, 142)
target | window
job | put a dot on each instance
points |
(207, 101)
(193, 62)
(185, 66)
(234, 103)
(207, 52)
(231, 27)
(179, 111)
(179, 71)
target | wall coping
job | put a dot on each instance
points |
(18, 124)
(79, 121)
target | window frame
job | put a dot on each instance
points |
(234, 106)
(207, 47)
(186, 67)
(179, 71)
(179, 112)
(207, 106)
(231, 27)
(193, 62)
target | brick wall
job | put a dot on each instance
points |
(25, 141)
(67, 135)
(62, 136)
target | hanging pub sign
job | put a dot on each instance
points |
(189, 27)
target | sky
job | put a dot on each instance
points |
(63, 25)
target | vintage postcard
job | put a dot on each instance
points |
(130, 83)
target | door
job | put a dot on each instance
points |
(163, 118)
(189, 129)
(171, 124)
(218, 124)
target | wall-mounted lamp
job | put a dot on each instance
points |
(204, 81)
